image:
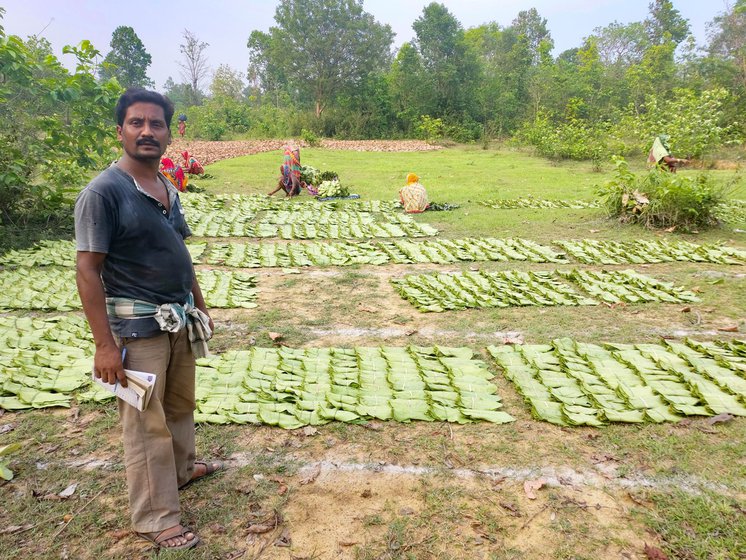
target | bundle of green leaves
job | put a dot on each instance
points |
(309, 174)
(658, 199)
(332, 188)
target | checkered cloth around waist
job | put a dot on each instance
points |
(171, 317)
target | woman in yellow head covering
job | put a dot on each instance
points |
(413, 196)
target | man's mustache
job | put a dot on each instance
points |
(146, 142)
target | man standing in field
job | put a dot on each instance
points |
(141, 298)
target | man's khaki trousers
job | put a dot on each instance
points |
(159, 441)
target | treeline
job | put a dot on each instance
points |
(327, 67)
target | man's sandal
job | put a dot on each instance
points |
(208, 469)
(174, 534)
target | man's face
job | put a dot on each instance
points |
(144, 134)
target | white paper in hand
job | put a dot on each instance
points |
(138, 391)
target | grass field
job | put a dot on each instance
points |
(387, 490)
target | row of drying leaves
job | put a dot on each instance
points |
(305, 225)
(732, 211)
(45, 361)
(404, 251)
(442, 292)
(571, 383)
(53, 289)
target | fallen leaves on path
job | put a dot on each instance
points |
(654, 553)
(531, 486)
(210, 152)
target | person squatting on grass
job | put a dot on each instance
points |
(660, 154)
(413, 196)
(289, 179)
(140, 295)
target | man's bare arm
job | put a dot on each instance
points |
(107, 362)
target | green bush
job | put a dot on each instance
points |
(573, 139)
(463, 132)
(56, 127)
(659, 199)
(695, 121)
(430, 129)
(310, 138)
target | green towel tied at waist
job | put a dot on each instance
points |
(171, 317)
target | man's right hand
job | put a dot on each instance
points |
(107, 365)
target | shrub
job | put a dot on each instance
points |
(56, 129)
(463, 132)
(310, 138)
(430, 129)
(573, 139)
(659, 199)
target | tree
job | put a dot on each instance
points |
(451, 63)
(180, 94)
(410, 87)
(532, 28)
(194, 65)
(55, 128)
(665, 23)
(621, 45)
(127, 61)
(727, 34)
(506, 64)
(320, 48)
(227, 83)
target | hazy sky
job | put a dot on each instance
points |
(226, 24)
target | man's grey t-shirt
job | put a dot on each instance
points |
(146, 257)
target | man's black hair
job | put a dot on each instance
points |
(140, 95)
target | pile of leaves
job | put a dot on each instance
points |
(209, 152)
(658, 199)
(571, 383)
(44, 253)
(536, 203)
(442, 206)
(442, 292)
(332, 188)
(53, 289)
(291, 388)
(309, 174)
(591, 251)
